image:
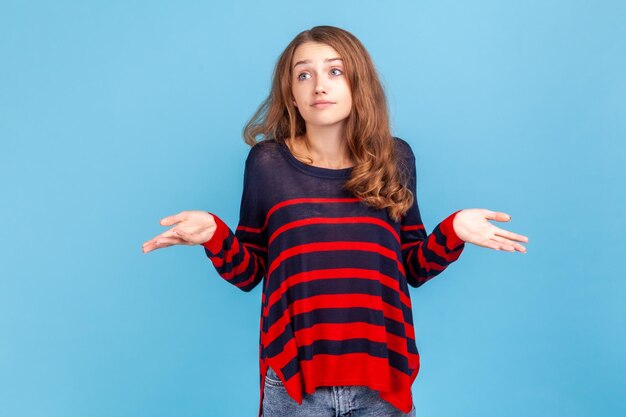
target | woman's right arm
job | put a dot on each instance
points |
(240, 257)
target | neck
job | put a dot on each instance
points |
(326, 145)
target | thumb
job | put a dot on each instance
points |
(497, 216)
(170, 220)
(502, 217)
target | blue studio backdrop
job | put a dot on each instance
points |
(116, 114)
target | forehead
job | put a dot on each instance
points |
(313, 51)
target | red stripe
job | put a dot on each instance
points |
(352, 369)
(334, 246)
(399, 392)
(422, 262)
(349, 369)
(290, 351)
(334, 220)
(429, 267)
(408, 227)
(346, 331)
(409, 261)
(254, 273)
(341, 331)
(441, 250)
(336, 273)
(214, 244)
(336, 301)
(307, 201)
(228, 257)
(252, 245)
(405, 246)
(292, 201)
(249, 229)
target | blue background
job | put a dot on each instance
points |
(116, 114)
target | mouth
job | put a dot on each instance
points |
(322, 104)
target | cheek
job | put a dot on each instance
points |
(297, 94)
(347, 93)
(348, 98)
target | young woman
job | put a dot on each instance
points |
(329, 221)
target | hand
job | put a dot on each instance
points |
(192, 227)
(471, 226)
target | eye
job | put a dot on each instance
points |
(337, 69)
(300, 76)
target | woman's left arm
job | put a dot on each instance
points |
(472, 226)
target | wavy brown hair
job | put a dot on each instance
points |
(377, 178)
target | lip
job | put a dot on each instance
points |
(320, 104)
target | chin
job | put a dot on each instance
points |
(322, 121)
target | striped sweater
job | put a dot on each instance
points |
(336, 308)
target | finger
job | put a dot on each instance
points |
(162, 243)
(176, 218)
(156, 237)
(498, 243)
(491, 244)
(164, 235)
(167, 233)
(149, 246)
(487, 243)
(177, 232)
(520, 248)
(508, 245)
(511, 235)
(498, 216)
(159, 244)
(169, 241)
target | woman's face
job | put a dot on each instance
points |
(318, 76)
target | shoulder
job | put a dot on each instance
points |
(262, 153)
(403, 149)
(406, 161)
(404, 155)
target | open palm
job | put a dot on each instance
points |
(472, 226)
(191, 227)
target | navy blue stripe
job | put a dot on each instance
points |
(342, 347)
(334, 315)
(316, 287)
(332, 259)
(333, 232)
(333, 347)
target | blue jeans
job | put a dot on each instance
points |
(345, 401)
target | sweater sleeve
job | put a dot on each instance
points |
(241, 257)
(425, 256)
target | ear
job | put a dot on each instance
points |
(294, 103)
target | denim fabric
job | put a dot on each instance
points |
(344, 401)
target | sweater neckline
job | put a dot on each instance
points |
(310, 169)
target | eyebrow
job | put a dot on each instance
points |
(308, 61)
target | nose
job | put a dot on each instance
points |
(319, 87)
